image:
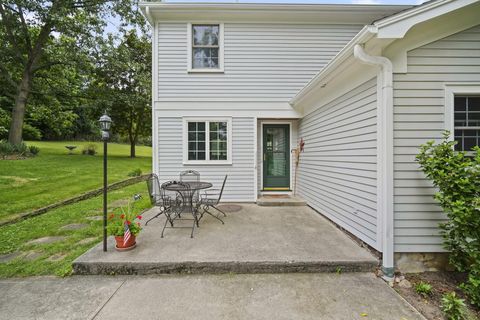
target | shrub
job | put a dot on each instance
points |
(457, 176)
(423, 288)
(135, 173)
(34, 150)
(31, 133)
(6, 149)
(90, 149)
(453, 307)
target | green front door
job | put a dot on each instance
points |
(276, 157)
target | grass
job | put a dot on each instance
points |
(56, 258)
(54, 175)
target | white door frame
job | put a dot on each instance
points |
(260, 153)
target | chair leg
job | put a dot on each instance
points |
(224, 214)
(156, 216)
(216, 217)
(165, 224)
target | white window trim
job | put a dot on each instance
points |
(190, 68)
(228, 120)
(452, 89)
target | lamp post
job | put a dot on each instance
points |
(105, 123)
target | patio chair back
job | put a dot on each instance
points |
(155, 193)
(189, 176)
(221, 190)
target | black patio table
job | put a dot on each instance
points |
(188, 196)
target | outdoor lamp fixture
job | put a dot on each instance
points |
(105, 124)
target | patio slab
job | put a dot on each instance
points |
(229, 296)
(253, 240)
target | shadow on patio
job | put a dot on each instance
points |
(254, 239)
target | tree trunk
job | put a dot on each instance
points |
(18, 114)
(132, 149)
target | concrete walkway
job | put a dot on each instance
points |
(228, 296)
(252, 240)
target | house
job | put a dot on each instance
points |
(237, 86)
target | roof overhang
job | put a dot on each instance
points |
(282, 13)
(375, 38)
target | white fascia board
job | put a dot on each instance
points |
(284, 13)
(396, 26)
(332, 67)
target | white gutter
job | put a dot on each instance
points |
(385, 154)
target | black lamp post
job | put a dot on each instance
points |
(105, 123)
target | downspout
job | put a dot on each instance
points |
(385, 146)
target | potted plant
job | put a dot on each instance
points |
(124, 225)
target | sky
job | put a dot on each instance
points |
(407, 2)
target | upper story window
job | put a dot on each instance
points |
(466, 121)
(205, 47)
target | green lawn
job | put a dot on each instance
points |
(54, 175)
(56, 258)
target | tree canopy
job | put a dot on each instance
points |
(54, 60)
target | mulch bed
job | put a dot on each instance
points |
(442, 282)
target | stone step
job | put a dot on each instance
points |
(220, 267)
(280, 201)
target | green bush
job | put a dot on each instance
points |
(453, 307)
(6, 149)
(31, 133)
(34, 150)
(90, 149)
(457, 176)
(423, 288)
(135, 173)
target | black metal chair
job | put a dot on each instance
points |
(210, 199)
(191, 176)
(178, 204)
(158, 198)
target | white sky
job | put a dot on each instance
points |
(312, 1)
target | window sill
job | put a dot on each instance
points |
(205, 71)
(207, 163)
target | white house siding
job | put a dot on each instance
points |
(419, 108)
(263, 62)
(239, 186)
(338, 169)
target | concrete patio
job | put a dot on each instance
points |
(253, 239)
(323, 296)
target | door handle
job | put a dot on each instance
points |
(264, 157)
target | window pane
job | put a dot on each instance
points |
(474, 104)
(205, 35)
(460, 103)
(213, 126)
(196, 140)
(205, 58)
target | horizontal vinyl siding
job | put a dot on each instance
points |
(263, 62)
(337, 174)
(419, 108)
(240, 182)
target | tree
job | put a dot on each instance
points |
(27, 32)
(124, 82)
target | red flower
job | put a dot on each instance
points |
(122, 216)
(128, 222)
(111, 216)
(139, 217)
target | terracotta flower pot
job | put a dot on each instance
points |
(121, 246)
